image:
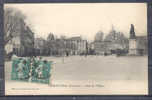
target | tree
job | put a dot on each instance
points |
(99, 36)
(117, 38)
(112, 36)
(17, 33)
(12, 18)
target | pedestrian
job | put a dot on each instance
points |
(67, 53)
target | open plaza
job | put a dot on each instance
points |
(104, 72)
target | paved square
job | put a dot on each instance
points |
(109, 73)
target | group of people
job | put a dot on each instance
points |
(31, 68)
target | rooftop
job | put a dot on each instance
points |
(75, 38)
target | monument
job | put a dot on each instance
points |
(132, 42)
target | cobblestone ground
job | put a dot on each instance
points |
(81, 70)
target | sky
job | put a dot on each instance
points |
(84, 19)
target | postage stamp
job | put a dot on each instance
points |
(76, 49)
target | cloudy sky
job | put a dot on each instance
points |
(84, 19)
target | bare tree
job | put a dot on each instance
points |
(118, 38)
(17, 33)
(12, 17)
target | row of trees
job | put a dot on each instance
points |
(114, 37)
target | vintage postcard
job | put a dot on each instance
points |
(76, 49)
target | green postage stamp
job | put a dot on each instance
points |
(31, 70)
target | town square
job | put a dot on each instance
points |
(75, 49)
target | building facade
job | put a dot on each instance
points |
(39, 46)
(76, 45)
(102, 47)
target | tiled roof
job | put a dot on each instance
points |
(75, 38)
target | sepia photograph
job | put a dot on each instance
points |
(76, 49)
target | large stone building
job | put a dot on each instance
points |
(102, 47)
(135, 45)
(76, 45)
(99, 47)
(112, 43)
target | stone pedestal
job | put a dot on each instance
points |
(132, 52)
(132, 47)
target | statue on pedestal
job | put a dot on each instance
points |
(132, 32)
